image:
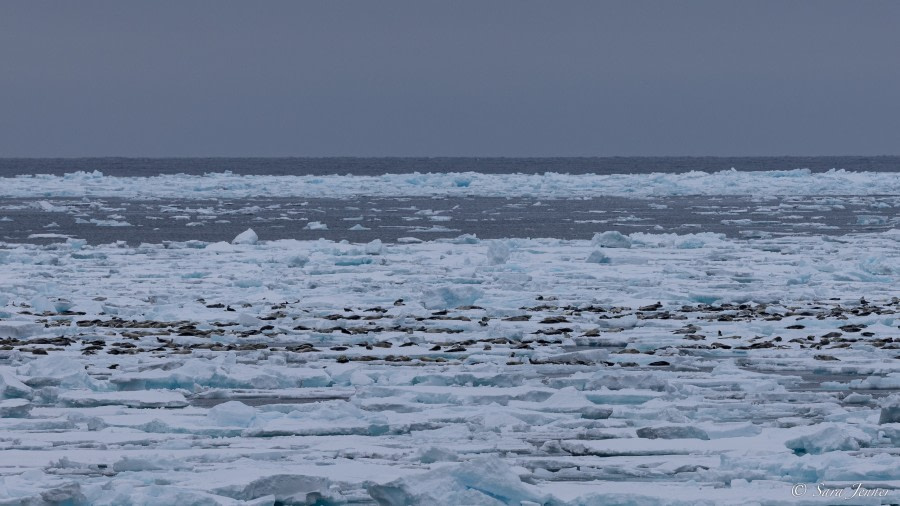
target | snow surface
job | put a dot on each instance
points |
(684, 369)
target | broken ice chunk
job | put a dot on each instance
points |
(434, 454)
(486, 481)
(829, 439)
(246, 237)
(597, 257)
(446, 297)
(890, 410)
(374, 247)
(315, 225)
(611, 239)
(56, 370)
(231, 414)
(11, 387)
(133, 399)
(497, 252)
(18, 329)
(14, 408)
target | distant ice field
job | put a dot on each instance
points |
(458, 184)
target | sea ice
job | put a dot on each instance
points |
(828, 439)
(316, 225)
(597, 257)
(450, 297)
(135, 399)
(14, 408)
(890, 409)
(497, 252)
(691, 371)
(11, 387)
(246, 237)
(374, 247)
(611, 239)
(19, 329)
(483, 482)
(231, 414)
(546, 185)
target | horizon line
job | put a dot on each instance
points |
(412, 157)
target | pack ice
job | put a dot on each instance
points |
(619, 369)
(546, 185)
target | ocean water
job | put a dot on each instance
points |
(375, 166)
(106, 220)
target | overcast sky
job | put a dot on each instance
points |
(425, 78)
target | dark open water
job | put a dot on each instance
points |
(105, 220)
(376, 166)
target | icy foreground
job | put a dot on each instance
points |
(641, 369)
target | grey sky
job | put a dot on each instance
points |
(486, 77)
